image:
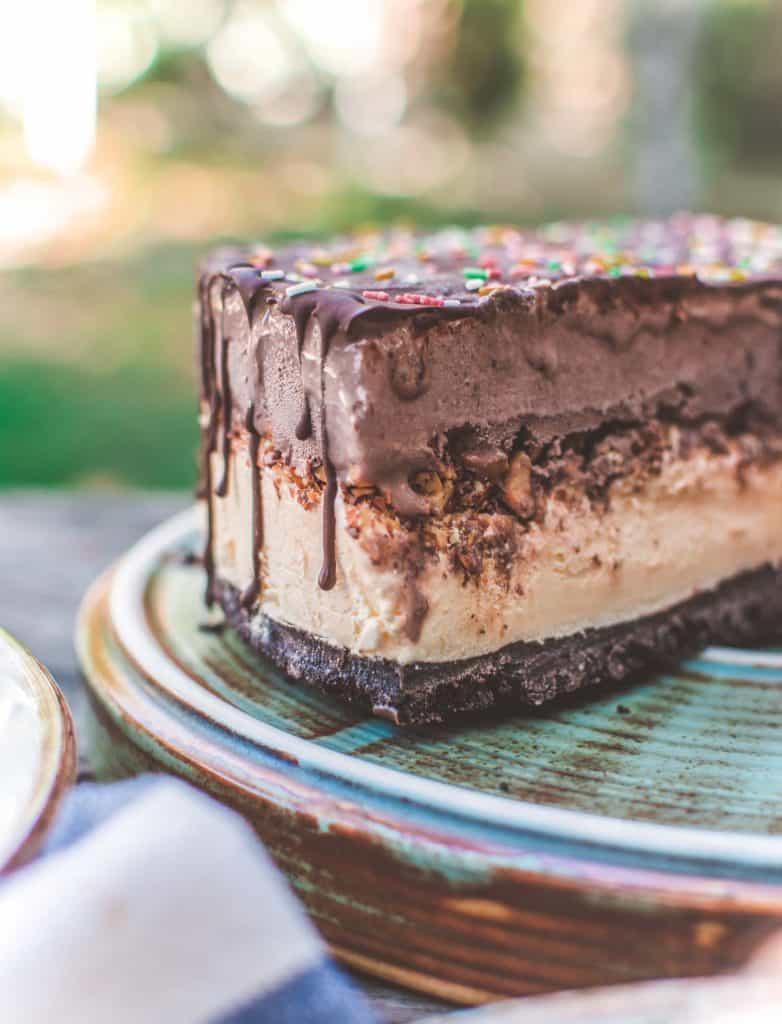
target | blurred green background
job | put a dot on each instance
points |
(261, 119)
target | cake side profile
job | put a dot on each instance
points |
(485, 468)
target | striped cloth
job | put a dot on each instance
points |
(153, 903)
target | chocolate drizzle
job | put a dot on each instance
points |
(301, 315)
(209, 447)
(252, 591)
(225, 391)
(206, 361)
(333, 312)
(208, 430)
(327, 576)
(304, 425)
(246, 280)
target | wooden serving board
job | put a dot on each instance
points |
(634, 836)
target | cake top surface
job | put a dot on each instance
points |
(459, 267)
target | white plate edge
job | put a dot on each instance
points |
(47, 762)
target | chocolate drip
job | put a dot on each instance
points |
(209, 561)
(333, 312)
(302, 311)
(304, 426)
(206, 362)
(222, 488)
(208, 431)
(253, 590)
(247, 281)
(206, 340)
(209, 447)
(328, 571)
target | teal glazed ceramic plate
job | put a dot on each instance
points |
(37, 753)
(635, 836)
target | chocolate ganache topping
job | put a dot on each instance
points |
(365, 354)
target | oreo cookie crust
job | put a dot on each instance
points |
(745, 610)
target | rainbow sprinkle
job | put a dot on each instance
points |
(301, 289)
(466, 267)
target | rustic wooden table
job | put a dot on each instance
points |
(52, 545)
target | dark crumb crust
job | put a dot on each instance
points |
(744, 610)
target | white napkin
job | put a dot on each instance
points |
(169, 911)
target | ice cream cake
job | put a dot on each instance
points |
(471, 469)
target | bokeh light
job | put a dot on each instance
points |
(48, 80)
(371, 103)
(580, 78)
(426, 152)
(248, 56)
(127, 44)
(342, 36)
(187, 23)
(133, 133)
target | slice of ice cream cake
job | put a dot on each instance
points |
(484, 468)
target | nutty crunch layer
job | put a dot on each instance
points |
(518, 483)
(481, 502)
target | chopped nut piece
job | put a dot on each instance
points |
(434, 488)
(517, 489)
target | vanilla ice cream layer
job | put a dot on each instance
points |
(696, 524)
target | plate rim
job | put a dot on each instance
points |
(677, 843)
(56, 766)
